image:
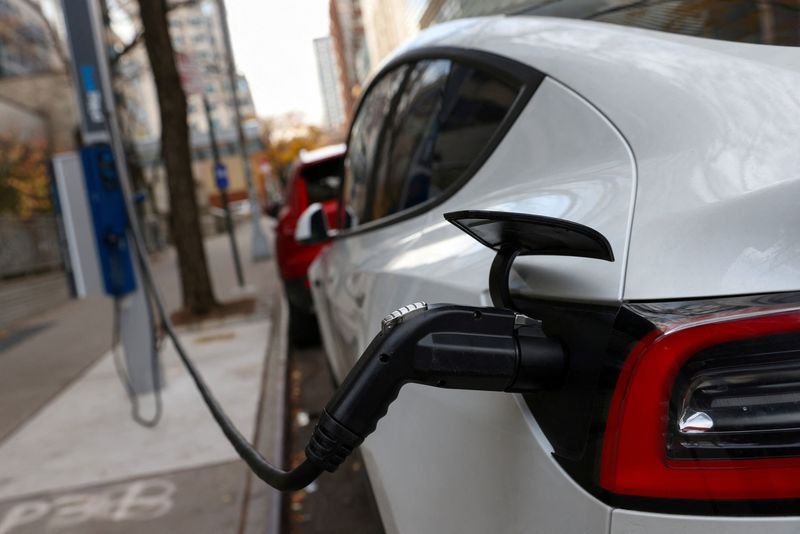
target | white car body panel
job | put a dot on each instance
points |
(714, 127)
(364, 277)
(629, 522)
(576, 166)
(655, 162)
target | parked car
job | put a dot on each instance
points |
(680, 407)
(315, 178)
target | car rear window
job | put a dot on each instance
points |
(443, 122)
(442, 119)
(323, 180)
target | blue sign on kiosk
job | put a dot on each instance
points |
(221, 175)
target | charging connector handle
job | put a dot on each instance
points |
(447, 346)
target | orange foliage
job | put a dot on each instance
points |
(24, 178)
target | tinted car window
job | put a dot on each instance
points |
(446, 115)
(408, 139)
(363, 139)
(468, 123)
(323, 180)
(326, 188)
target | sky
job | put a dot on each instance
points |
(272, 42)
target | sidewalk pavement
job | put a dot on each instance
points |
(27, 296)
(71, 458)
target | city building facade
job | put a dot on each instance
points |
(387, 23)
(33, 75)
(37, 119)
(198, 39)
(329, 83)
(350, 50)
(26, 46)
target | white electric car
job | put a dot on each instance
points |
(680, 407)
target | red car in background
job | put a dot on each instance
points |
(315, 177)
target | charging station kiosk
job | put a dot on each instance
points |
(93, 212)
(94, 197)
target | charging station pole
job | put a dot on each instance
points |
(104, 162)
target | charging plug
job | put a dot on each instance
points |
(446, 346)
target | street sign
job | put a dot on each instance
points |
(221, 175)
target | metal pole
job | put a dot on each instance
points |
(260, 247)
(237, 262)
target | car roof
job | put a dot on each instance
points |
(323, 153)
(713, 128)
(659, 89)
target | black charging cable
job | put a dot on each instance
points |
(295, 479)
(446, 346)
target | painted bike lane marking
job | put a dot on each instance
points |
(141, 500)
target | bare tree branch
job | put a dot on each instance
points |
(140, 35)
(128, 47)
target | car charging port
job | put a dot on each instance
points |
(447, 346)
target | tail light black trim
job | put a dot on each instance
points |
(727, 354)
(635, 458)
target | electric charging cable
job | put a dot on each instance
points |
(275, 477)
(297, 478)
(445, 346)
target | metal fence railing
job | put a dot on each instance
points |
(28, 245)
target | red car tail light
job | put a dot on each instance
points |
(708, 411)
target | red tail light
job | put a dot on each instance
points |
(708, 411)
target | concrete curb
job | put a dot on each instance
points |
(262, 505)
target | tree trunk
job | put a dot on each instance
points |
(198, 297)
